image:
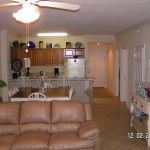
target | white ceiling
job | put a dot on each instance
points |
(94, 17)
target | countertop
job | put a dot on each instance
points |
(55, 78)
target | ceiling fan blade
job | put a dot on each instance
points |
(57, 5)
(9, 4)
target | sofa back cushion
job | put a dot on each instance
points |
(35, 112)
(9, 113)
(67, 112)
(9, 118)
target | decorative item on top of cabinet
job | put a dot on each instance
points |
(78, 45)
(48, 45)
(40, 44)
(57, 45)
(68, 44)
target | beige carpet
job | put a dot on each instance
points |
(99, 92)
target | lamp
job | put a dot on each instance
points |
(27, 14)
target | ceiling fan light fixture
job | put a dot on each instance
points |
(52, 34)
(26, 15)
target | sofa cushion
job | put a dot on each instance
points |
(31, 141)
(88, 130)
(9, 129)
(35, 112)
(9, 113)
(67, 111)
(68, 141)
(65, 127)
(35, 127)
(6, 141)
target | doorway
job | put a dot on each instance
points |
(97, 63)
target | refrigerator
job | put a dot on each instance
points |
(75, 68)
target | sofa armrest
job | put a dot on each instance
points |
(88, 130)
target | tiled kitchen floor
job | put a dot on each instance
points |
(113, 119)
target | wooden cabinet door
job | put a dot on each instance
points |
(60, 56)
(54, 57)
(22, 54)
(13, 53)
(48, 57)
(41, 61)
(33, 55)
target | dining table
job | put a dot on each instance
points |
(50, 93)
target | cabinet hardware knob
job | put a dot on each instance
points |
(141, 106)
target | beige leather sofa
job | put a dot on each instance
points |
(55, 125)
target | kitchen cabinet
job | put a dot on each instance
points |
(40, 57)
(19, 53)
(57, 56)
(47, 57)
(33, 55)
(72, 52)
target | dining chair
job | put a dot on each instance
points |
(23, 81)
(70, 92)
(47, 85)
(41, 79)
(61, 81)
(37, 96)
(11, 92)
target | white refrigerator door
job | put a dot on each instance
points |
(76, 68)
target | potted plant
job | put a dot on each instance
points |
(2, 84)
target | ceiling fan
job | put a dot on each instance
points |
(43, 3)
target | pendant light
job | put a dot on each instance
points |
(27, 37)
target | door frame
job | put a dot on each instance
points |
(105, 69)
(117, 72)
(119, 64)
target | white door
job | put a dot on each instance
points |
(124, 75)
(96, 65)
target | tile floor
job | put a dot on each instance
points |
(113, 119)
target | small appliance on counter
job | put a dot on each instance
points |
(41, 73)
(15, 75)
(56, 71)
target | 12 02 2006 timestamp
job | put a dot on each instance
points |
(138, 135)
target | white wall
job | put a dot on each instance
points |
(110, 58)
(138, 35)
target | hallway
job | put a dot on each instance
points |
(113, 119)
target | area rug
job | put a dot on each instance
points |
(99, 92)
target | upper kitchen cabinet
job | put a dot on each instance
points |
(74, 52)
(47, 57)
(19, 53)
(40, 57)
(58, 56)
(33, 55)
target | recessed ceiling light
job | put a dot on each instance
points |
(52, 34)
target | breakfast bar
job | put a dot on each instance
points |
(82, 87)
